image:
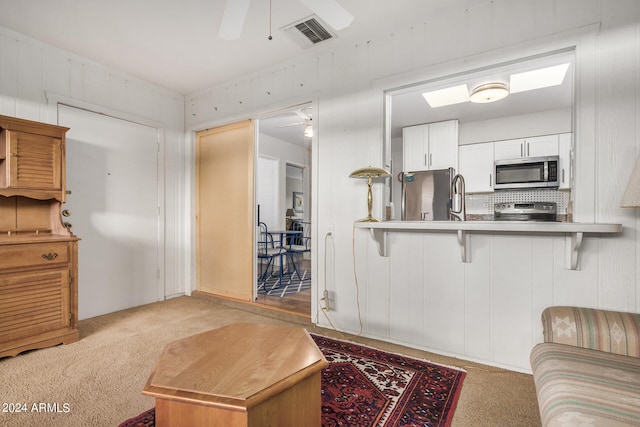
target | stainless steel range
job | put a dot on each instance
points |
(531, 211)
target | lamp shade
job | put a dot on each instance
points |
(369, 172)
(290, 212)
(631, 196)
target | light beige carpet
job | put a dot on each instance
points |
(98, 380)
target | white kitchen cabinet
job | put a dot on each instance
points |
(564, 166)
(476, 166)
(430, 146)
(476, 161)
(509, 149)
(415, 147)
(536, 146)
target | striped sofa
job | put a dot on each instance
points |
(587, 370)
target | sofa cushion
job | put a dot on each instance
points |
(582, 387)
(610, 331)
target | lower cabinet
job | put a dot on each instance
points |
(38, 295)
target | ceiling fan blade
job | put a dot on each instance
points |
(235, 13)
(330, 12)
(302, 114)
(291, 124)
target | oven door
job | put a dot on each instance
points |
(532, 172)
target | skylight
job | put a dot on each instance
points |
(447, 96)
(519, 82)
(538, 79)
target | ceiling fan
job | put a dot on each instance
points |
(305, 120)
(235, 13)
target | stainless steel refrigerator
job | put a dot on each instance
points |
(426, 195)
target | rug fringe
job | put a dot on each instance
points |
(392, 352)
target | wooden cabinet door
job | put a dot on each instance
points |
(34, 161)
(34, 303)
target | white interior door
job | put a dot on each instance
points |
(112, 173)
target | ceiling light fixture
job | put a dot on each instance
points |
(308, 131)
(490, 92)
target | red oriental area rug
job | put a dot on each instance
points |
(366, 387)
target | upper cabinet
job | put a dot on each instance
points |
(32, 159)
(565, 156)
(477, 160)
(430, 146)
(546, 145)
(476, 166)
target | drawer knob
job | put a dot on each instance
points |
(50, 256)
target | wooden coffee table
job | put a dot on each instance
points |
(244, 374)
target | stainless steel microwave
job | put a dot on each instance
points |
(526, 172)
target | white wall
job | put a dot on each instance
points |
(542, 123)
(33, 76)
(281, 152)
(422, 295)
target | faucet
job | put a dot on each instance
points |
(457, 210)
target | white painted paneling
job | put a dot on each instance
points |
(478, 298)
(58, 67)
(30, 78)
(406, 297)
(444, 294)
(498, 297)
(97, 90)
(31, 71)
(8, 75)
(374, 294)
(511, 299)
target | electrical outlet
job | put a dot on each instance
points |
(324, 301)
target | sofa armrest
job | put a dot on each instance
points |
(609, 331)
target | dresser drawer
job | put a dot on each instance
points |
(33, 255)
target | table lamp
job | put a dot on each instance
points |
(369, 173)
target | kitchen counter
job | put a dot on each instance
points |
(573, 231)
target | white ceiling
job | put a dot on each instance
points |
(174, 44)
(410, 108)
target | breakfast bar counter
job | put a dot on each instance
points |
(573, 231)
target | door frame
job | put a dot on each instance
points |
(190, 196)
(312, 215)
(52, 116)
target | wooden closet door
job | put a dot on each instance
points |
(224, 210)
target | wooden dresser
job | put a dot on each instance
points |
(38, 251)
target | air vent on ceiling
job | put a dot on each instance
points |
(309, 31)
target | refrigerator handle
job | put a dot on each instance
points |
(403, 214)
